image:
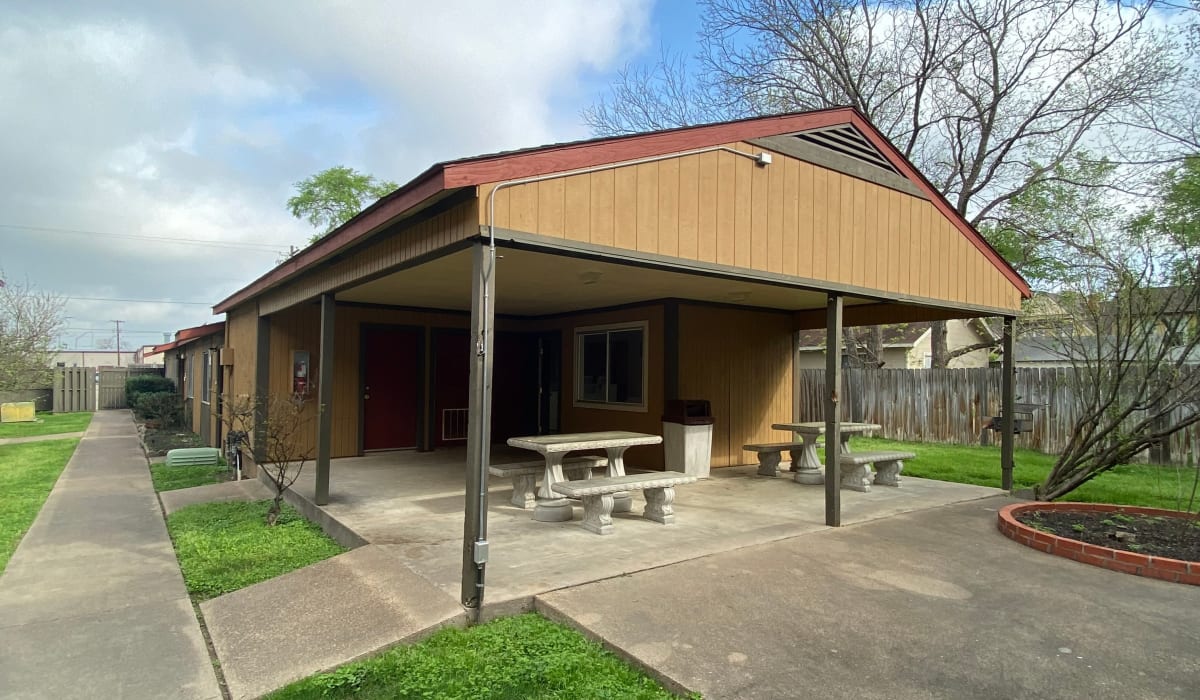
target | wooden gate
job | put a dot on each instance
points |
(112, 387)
(74, 389)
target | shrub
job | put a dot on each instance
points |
(146, 384)
(162, 406)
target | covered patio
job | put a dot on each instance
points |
(412, 503)
(577, 288)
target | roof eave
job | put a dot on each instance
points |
(368, 221)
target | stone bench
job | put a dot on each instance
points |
(597, 496)
(856, 469)
(525, 475)
(770, 454)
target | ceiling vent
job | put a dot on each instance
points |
(848, 141)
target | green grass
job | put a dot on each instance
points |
(170, 478)
(226, 546)
(27, 473)
(47, 424)
(519, 657)
(1151, 486)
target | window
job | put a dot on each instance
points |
(610, 367)
(206, 379)
(190, 379)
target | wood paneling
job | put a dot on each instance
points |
(791, 217)
(579, 419)
(299, 329)
(393, 248)
(241, 337)
(741, 361)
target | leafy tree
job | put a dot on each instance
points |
(30, 320)
(334, 196)
(989, 99)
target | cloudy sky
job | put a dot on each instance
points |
(150, 147)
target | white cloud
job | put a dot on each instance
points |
(193, 120)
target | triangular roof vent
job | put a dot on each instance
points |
(846, 140)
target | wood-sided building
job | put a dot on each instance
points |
(192, 360)
(627, 271)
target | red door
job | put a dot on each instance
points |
(391, 387)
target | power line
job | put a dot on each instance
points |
(264, 247)
(80, 329)
(71, 298)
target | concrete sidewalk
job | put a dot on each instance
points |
(92, 604)
(929, 604)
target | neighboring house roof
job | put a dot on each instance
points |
(445, 178)
(188, 335)
(898, 335)
(1045, 349)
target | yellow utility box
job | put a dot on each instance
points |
(20, 412)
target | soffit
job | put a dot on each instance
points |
(533, 284)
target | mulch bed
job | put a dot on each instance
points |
(1160, 536)
(159, 440)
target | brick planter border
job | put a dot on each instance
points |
(1174, 570)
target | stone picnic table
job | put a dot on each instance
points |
(551, 507)
(808, 467)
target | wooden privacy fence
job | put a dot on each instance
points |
(112, 384)
(79, 388)
(74, 389)
(951, 405)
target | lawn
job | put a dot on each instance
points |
(27, 473)
(170, 478)
(226, 546)
(1141, 485)
(525, 656)
(47, 424)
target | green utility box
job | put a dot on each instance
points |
(193, 457)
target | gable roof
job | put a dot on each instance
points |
(445, 177)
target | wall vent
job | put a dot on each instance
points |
(848, 141)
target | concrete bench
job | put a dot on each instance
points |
(597, 496)
(770, 454)
(856, 469)
(525, 475)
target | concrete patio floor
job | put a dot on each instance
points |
(411, 505)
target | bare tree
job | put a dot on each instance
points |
(30, 322)
(1135, 372)
(284, 448)
(987, 98)
(1134, 347)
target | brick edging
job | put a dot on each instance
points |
(1165, 568)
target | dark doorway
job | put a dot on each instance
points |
(451, 380)
(526, 385)
(391, 387)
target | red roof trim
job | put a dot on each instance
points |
(910, 171)
(187, 335)
(583, 154)
(586, 154)
(378, 214)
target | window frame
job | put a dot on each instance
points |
(190, 379)
(206, 368)
(577, 370)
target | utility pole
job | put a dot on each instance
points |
(118, 341)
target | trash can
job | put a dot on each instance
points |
(687, 436)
